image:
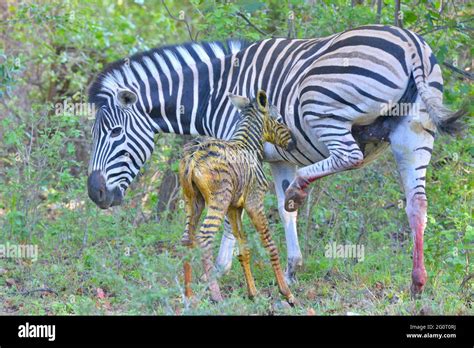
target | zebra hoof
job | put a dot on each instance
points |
(294, 265)
(294, 198)
(223, 269)
(186, 241)
(291, 279)
(416, 291)
(419, 277)
(216, 295)
(292, 301)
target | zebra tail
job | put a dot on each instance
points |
(445, 120)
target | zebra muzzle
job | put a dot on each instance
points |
(100, 194)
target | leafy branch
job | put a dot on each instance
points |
(443, 27)
(181, 20)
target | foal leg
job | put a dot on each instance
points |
(235, 219)
(255, 210)
(412, 144)
(207, 232)
(344, 153)
(193, 206)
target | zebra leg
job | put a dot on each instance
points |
(412, 144)
(235, 217)
(344, 153)
(284, 173)
(205, 237)
(226, 249)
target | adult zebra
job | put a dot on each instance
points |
(330, 91)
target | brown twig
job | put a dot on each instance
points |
(442, 27)
(291, 25)
(28, 292)
(244, 17)
(466, 279)
(388, 206)
(333, 198)
(459, 71)
(188, 27)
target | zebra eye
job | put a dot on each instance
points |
(116, 132)
(127, 154)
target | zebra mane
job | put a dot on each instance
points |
(203, 51)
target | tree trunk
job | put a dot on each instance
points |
(168, 191)
(379, 11)
(398, 14)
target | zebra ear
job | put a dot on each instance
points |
(126, 97)
(262, 100)
(239, 101)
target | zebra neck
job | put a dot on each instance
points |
(248, 136)
(182, 88)
(182, 101)
(191, 94)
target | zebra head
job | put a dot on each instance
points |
(123, 140)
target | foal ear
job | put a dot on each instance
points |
(238, 101)
(274, 113)
(126, 97)
(262, 99)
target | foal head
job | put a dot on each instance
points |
(273, 130)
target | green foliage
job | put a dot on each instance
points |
(126, 260)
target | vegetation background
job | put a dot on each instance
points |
(127, 260)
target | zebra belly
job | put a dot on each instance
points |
(303, 155)
(371, 149)
(372, 138)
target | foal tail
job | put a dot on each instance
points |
(186, 169)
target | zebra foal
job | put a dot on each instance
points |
(227, 177)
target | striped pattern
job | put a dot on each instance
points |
(344, 78)
(161, 100)
(227, 177)
(331, 93)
